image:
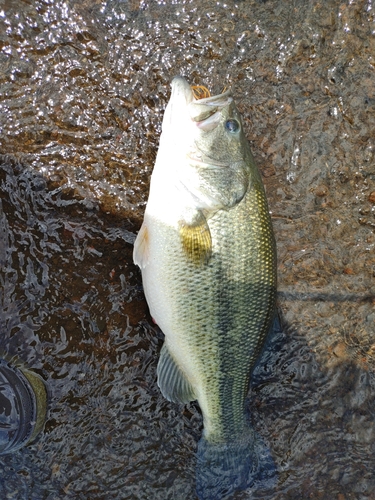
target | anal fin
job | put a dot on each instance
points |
(173, 384)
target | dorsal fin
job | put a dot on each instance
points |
(173, 384)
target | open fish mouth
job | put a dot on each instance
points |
(219, 100)
(205, 113)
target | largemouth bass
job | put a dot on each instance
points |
(207, 254)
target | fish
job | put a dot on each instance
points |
(207, 255)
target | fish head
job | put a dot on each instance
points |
(207, 147)
(219, 136)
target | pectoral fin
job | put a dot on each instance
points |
(173, 384)
(196, 240)
(141, 252)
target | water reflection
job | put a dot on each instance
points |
(82, 87)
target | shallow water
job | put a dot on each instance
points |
(83, 86)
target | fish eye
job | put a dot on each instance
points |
(232, 126)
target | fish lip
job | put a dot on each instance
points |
(219, 100)
(181, 87)
(208, 122)
(180, 84)
(176, 117)
(206, 112)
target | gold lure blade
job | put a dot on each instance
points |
(200, 91)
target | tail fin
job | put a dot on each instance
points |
(224, 468)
